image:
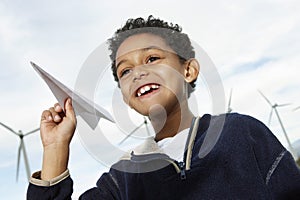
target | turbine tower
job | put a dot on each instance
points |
(145, 122)
(229, 109)
(274, 108)
(21, 149)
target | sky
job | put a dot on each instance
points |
(253, 45)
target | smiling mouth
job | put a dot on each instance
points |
(146, 89)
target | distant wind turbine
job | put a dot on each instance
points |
(21, 149)
(145, 122)
(274, 108)
(229, 109)
(297, 108)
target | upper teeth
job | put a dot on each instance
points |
(146, 88)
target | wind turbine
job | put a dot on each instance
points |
(145, 122)
(274, 108)
(229, 109)
(21, 149)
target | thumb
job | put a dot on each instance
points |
(70, 113)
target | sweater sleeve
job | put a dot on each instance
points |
(279, 170)
(107, 188)
(60, 188)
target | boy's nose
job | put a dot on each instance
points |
(139, 73)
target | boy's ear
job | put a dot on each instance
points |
(191, 70)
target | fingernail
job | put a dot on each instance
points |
(57, 107)
(49, 118)
(69, 101)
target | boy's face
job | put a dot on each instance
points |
(150, 73)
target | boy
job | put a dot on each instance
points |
(154, 65)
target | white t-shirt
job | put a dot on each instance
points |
(174, 146)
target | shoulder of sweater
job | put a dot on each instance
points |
(236, 119)
(235, 124)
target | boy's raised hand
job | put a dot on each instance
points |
(56, 126)
(57, 129)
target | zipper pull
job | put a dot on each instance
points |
(182, 170)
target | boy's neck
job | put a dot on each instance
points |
(173, 123)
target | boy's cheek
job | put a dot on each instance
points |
(125, 98)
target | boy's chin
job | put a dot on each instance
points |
(154, 111)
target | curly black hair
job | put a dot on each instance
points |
(171, 33)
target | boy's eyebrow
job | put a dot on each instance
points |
(121, 62)
(141, 49)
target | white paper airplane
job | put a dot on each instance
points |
(88, 110)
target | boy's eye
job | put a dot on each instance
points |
(152, 59)
(124, 72)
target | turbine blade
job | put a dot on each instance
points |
(134, 130)
(146, 124)
(297, 108)
(270, 117)
(18, 160)
(269, 102)
(10, 129)
(26, 160)
(33, 131)
(285, 104)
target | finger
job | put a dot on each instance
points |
(55, 115)
(46, 116)
(58, 108)
(70, 113)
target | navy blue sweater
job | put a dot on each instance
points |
(238, 158)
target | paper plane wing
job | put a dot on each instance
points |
(89, 111)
